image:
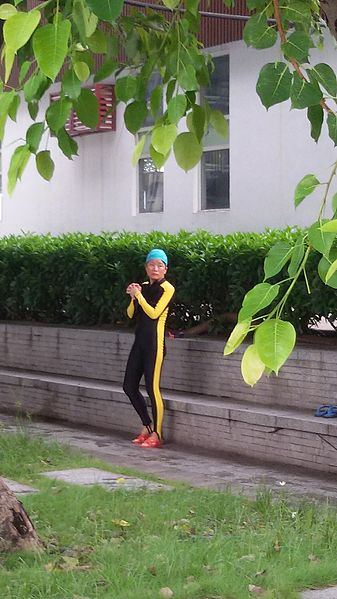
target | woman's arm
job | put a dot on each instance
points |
(131, 309)
(158, 309)
(130, 291)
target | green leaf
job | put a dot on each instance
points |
(256, 299)
(331, 271)
(258, 33)
(330, 226)
(67, 144)
(274, 83)
(71, 85)
(187, 78)
(276, 258)
(24, 70)
(158, 159)
(192, 6)
(13, 109)
(58, 113)
(252, 367)
(97, 42)
(304, 94)
(34, 135)
(297, 11)
(17, 165)
(135, 115)
(35, 87)
(236, 337)
(106, 10)
(323, 268)
(219, 123)
(45, 164)
(187, 150)
(133, 45)
(107, 69)
(19, 28)
(332, 126)
(7, 11)
(33, 109)
(87, 108)
(315, 116)
(170, 89)
(6, 99)
(176, 108)
(326, 77)
(195, 121)
(9, 62)
(156, 100)
(320, 240)
(50, 46)
(3, 120)
(163, 137)
(82, 70)
(171, 4)
(304, 188)
(296, 257)
(125, 88)
(84, 19)
(297, 46)
(275, 340)
(138, 150)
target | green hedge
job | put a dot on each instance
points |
(81, 279)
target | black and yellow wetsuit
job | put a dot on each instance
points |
(150, 306)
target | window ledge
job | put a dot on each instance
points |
(200, 211)
(147, 213)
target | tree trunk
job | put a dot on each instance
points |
(329, 8)
(16, 530)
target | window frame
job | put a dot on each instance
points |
(146, 154)
(225, 145)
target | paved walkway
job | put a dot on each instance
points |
(199, 469)
(181, 464)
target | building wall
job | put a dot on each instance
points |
(269, 153)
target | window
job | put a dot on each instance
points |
(150, 178)
(215, 160)
(151, 185)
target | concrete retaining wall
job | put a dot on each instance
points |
(76, 374)
(308, 379)
(269, 434)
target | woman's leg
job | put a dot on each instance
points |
(152, 373)
(133, 374)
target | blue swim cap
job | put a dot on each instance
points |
(157, 254)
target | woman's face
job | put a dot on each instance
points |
(155, 270)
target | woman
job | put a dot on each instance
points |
(149, 302)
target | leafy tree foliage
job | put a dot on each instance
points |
(67, 35)
(58, 39)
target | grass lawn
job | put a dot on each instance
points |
(129, 545)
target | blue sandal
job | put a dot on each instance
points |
(327, 411)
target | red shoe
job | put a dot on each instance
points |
(141, 438)
(152, 442)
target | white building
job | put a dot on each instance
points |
(246, 184)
